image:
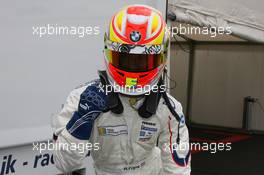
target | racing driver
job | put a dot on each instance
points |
(139, 128)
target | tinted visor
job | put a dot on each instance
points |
(134, 62)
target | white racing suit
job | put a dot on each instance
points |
(128, 143)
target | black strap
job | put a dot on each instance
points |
(168, 103)
(174, 113)
(113, 101)
(150, 103)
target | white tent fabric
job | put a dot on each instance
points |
(245, 18)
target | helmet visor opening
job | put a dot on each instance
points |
(134, 62)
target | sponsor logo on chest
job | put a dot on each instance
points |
(147, 130)
(113, 130)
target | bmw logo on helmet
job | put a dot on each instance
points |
(135, 36)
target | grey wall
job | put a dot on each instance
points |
(179, 61)
(223, 76)
(38, 73)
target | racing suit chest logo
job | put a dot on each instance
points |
(148, 123)
(112, 130)
(147, 130)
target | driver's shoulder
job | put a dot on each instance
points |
(163, 110)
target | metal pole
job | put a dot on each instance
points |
(166, 13)
(190, 80)
(248, 101)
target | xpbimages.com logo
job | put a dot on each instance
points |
(195, 146)
(62, 30)
(51, 146)
(188, 29)
(146, 90)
